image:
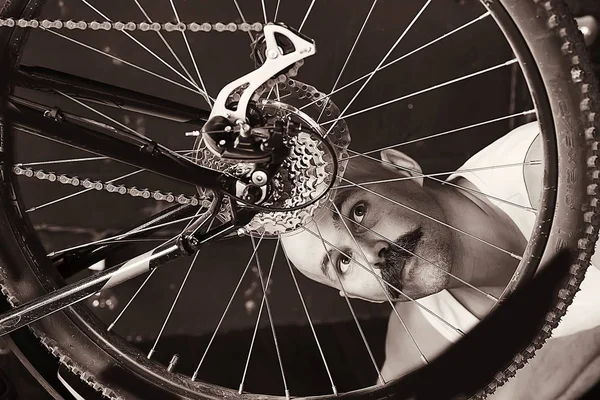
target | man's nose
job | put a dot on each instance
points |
(374, 252)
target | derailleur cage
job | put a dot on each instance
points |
(263, 148)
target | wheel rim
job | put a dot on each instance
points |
(539, 101)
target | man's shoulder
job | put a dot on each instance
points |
(514, 143)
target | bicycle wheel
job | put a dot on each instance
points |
(563, 97)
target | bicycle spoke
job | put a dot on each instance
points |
(143, 46)
(486, 14)
(70, 196)
(164, 40)
(243, 19)
(264, 10)
(212, 338)
(183, 282)
(91, 188)
(164, 78)
(117, 237)
(458, 171)
(187, 44)
(262, 304)
(515, 256)
(352, 310)
(391, 242)
(337, 81)
(429, 89)
(277, 93)
(139, 289)
(185, 278)
(458, 331)
(114, 121)
(306, 15)
(387, 296)
(269, 314)
(419, 175)
(64, 161)
(148, 240)
(276, 11)
(383, 60)
(99, 158)
(312, 328)
(435, 135)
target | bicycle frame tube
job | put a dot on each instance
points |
(107, 95)
(150, 156)
(84, 288)
(188, 243)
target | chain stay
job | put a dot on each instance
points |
(131, 26)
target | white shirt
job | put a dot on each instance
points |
(509, 183)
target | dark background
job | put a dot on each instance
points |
(221, 58)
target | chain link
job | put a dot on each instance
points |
(133, 191)
(131, 26)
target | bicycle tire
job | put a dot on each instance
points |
(558, 52)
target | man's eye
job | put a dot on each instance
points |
(344, 263)
(358, 212)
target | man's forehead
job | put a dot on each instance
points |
(306, 249)
(360, 169)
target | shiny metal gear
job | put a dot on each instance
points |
(306, 172)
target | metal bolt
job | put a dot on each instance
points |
(259, 178)
(222, 143)
(272, 54)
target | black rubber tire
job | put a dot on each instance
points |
(559, 59)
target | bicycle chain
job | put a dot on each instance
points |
(131, 26)
(274, 222)
(110, 187)
(204, 198)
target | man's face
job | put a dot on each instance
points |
(357, 243)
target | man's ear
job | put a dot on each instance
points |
(402, 164)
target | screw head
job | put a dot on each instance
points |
(273, 54)
(259, 178)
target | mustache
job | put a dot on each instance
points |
(395, 258)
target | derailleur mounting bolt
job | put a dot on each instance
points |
(244, 128)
